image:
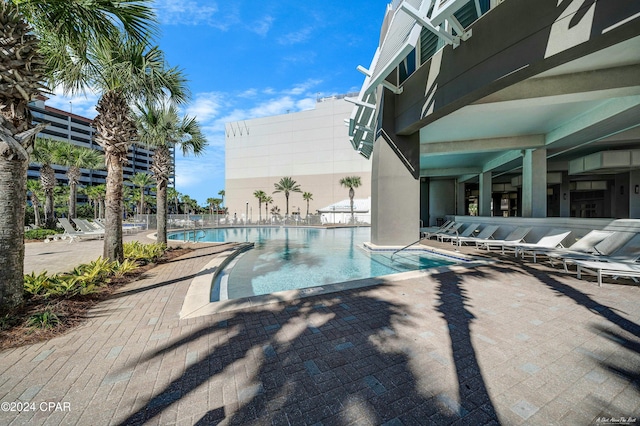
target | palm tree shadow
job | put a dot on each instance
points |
(333, 359)
(472, 390)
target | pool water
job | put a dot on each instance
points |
(296, 258)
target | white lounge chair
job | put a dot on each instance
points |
(613, 269)
(468, 232)
(552, 239)
(619, 246)
(431, 231)
(72, 234)
(486, 234)
(585, 245)
(516, 236)
(452, 230)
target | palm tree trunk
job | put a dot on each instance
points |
(161, 214)
(49, 214)
(113, 249)
(73, 191)
(36, 214)
(352, 194)
(13, 187)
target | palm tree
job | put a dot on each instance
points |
(351, 182)
(75, 158)
(44, 153)
(34, 188)
(160, 126)
(174, 197)
(222, 193)
(267, 200)
(287, 185)
(124, 71)
(33, 33)
(307, 196)
(260, 196)
(92, 194)
(211, 202)
(141, 180)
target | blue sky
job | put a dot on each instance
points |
(247, 58)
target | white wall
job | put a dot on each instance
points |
(310, 146)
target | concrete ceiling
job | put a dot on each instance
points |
(589, 104)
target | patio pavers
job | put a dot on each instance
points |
(509, 343)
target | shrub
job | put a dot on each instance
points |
(39, 234)
(144, 253)
(124, 268)
(44, 319)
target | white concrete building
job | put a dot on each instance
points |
(310, 146)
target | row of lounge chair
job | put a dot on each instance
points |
(84, 230)
(609, 252)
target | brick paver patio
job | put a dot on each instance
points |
(510, 343)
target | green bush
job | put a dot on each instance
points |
(44, 319)
(145, 253)
(39, 234)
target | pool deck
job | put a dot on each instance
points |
(505, 342)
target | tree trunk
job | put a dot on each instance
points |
(113, 249)
(49, 213)
(36, 214)
(352, 194)
(101, 208)
(73, 191)
(13, 187)
(161, 214)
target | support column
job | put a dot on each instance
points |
(565, 196)
(634, 198)
(395, 199)
(484, 201)
(534, 183)
(460, 199)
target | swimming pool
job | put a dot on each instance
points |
(296, 258)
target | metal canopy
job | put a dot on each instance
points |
(400, 34)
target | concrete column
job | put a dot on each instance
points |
(460, 199)
(534, 183)
(484, 201)
(565, 196)
(395, 199)
(442, 200)
(634, 199)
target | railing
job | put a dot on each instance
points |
(200, 221)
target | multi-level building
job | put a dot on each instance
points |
(78, 130)
(501, 108)
(309, 146)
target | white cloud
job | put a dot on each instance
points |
(296, 37)
(262, 26)
(190, 12)
(206, 106)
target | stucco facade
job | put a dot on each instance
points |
(309, 146)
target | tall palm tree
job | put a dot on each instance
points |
(44, 153)
(222, 193)
(33, 33)
(211, 202)
(160, 126)
(34, 188)
(141, 180)
(174, 196)
(287, 185)
(125, 71)
(307, 196)
(260, 196)
(91, 193)
(351, 182)
(75, 158)
(267, 200)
